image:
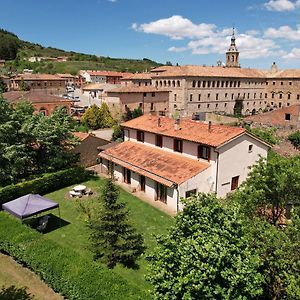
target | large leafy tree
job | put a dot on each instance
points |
(113, 239)
(272, 184)
(33, 143)
(97, 117)
(206, 255)
(279, 252)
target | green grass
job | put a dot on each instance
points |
(148, 220)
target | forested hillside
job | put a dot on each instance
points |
(16, 52)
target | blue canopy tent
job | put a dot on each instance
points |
(29, 205)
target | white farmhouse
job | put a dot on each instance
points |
(169, 159)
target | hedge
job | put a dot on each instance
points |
(67, 272)
(44, 184)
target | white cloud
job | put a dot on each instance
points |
(294, 54)
(282, 5)
(209, 39)
(176, 27)
(177, 49)
(250, 47)
(283, 32)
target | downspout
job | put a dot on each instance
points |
(177, 204)
(217, 172)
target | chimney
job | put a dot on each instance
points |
(177, 124)
(209, 126)
(158, 122)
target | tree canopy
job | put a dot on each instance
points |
(206, 255)
(96, 117)
(33, 143)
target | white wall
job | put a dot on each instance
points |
(235, 160)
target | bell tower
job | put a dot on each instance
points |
(232, 55)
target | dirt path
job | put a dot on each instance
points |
(12, 273)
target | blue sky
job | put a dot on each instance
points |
(184, 32)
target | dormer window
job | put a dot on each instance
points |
(204, 152)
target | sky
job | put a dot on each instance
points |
(185, 32)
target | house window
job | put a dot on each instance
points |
(298, 97)
(152, 106)
(204, 152)
(159, 140)
(217, 96)
(190, 193)
(161, 192)
(208, 96)
(280, 96)
(145, 94)
(234, 182)
(287, 117)
(191, 97)
(177, 145)
(289, 96)
(153, 94)
(140, 136)
(250, 148)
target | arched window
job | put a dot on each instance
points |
(194, 83)
(178, 83)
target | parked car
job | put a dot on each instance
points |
(69, 89)
(76, 99)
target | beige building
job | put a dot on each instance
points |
(168, 160)
(148, 98)
(225, 89)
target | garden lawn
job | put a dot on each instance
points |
(147, 220)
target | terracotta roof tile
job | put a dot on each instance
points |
(108, 73)
(38, 77)
(33, 96)
(200, 71)
(157, 164)
(81, 135)
(189, 130)
(137, 76)
(138, 89)
(277, 117)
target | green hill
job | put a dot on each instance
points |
(16, 52)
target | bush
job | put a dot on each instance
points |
(266, 134)
(73, 275)
(45, 184)
(294, 138)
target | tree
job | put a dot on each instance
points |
(113, 239)
(137, 112)
(91, 117)
(117, 133)
(206, 255)
(106, 120)
(271, 185)
(98, 117)
(23, 86)
(3, 87)
(279, 252)
(294, 138)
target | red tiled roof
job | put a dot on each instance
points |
(81, 135)
(162, 166)
(108, 73)
(137, 76)
(200, 71)
(33, 96)
(189, 130)
(37, 77)
(137, 89)
(277, 117)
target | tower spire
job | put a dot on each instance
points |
(232, 55)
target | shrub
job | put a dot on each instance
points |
(294, 138)
(73, 275)
(45, 184)
(266, 134)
